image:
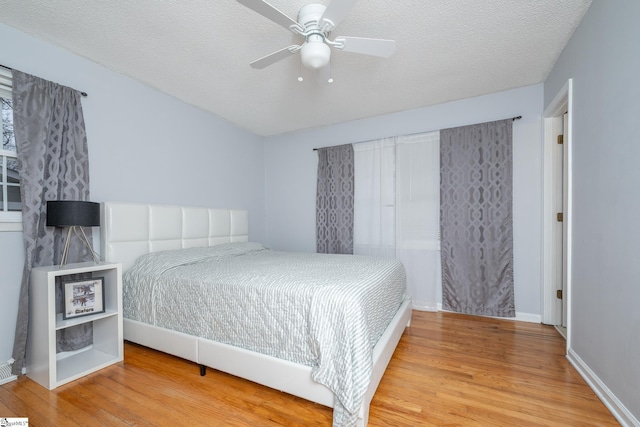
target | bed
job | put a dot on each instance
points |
(150, 233)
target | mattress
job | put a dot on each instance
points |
(323, 311)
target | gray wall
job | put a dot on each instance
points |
(291, 166)
(603, 58)
(144, 146)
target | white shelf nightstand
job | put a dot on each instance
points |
(43, 364)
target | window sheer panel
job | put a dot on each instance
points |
(374, 207)
(418, 216)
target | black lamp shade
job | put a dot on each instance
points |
(65, 213)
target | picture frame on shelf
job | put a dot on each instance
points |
(83, 297)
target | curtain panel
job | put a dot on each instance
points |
(397, 208)
(476, 223)
(375, 193)
(334, 200)
(51, 145)
(417, 216)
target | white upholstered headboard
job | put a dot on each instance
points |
(129, 230)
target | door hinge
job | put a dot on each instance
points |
(559, 217)
(560, 139)
(559, 294)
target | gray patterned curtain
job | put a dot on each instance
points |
(476, 219)
(51, 144)
(334, 200)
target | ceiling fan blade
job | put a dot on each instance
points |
(374, 47)
(274, 57)
(270, 12)
(335, 11)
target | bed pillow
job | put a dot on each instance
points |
(159, 262)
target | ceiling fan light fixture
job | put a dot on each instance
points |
(315, 54)
(315, 23)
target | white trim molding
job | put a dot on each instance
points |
(520, 316)
(619, 411)
(10, 226)
(550, 305)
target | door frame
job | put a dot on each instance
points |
(552, 122)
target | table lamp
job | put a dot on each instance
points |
(74, 214)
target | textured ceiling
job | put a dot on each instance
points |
(199, 51)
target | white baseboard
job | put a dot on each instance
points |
(521, 317)
(527, 317)
(619, 411)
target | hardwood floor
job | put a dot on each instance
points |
(448, 370)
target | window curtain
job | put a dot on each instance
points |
(53, 160)
(418, 216)
(476, 219)
(397, 208)
(374, 208)
(334, 200)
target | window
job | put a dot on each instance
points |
(10, 202)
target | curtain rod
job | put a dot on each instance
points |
(512, 118)
(11, 69)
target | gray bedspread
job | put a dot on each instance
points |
(323, 311)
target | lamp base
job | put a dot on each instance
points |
(83, 237)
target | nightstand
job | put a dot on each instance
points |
(44, 365)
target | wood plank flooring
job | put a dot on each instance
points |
(448, 370)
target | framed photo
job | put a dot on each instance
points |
(83, 297)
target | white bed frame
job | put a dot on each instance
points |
(130, 230)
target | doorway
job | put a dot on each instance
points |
(556, 290)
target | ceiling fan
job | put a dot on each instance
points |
(315, 23)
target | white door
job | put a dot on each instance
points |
(565, 193)
(560, 217)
